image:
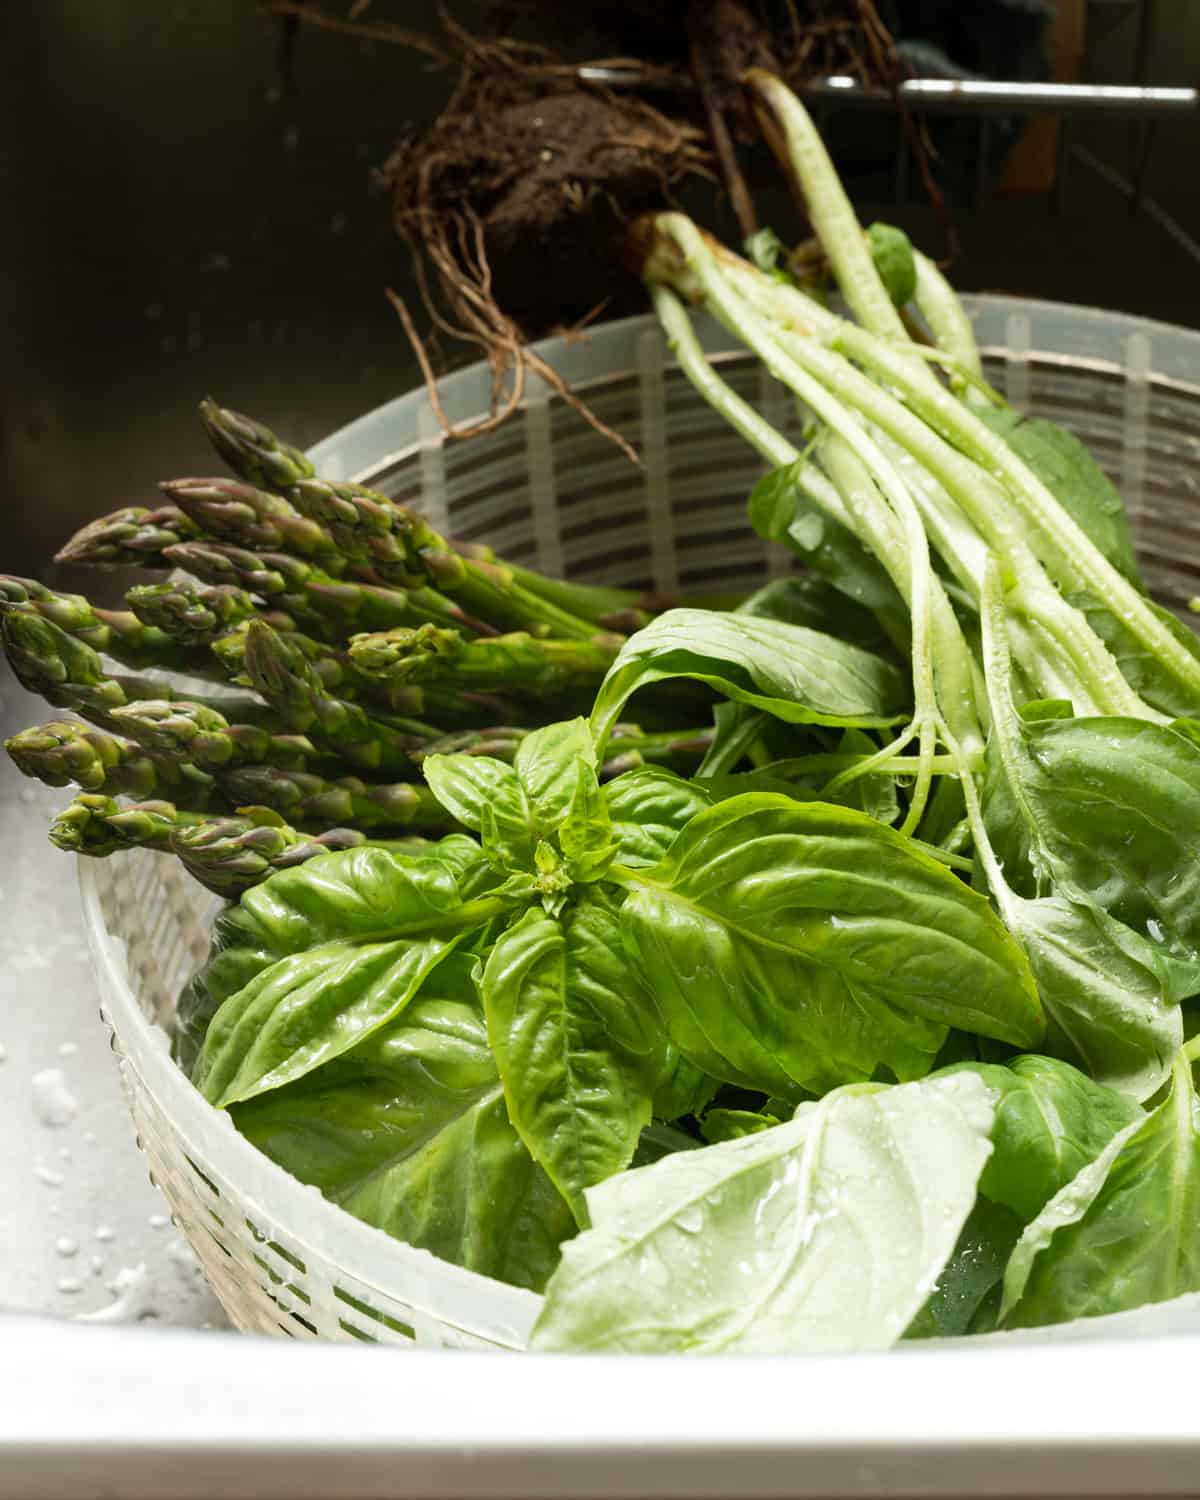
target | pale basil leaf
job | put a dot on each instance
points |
(822, 1235)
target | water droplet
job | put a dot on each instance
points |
(53, 1101)
(68, 1049)
(3, 1054)
(49, 1176)
(131, 1291)
(69, 1285)
(89, 1137)
(690, 1219)
(66, 1247)
(64, 1153)
(159, 1221)
(97, 1264)
(104, 1233)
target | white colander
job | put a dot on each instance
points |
(547, 491)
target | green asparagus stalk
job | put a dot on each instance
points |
(368, 526)
(293, 687)
(198, 734)
(328, 607)
(227, 854)
(195, 614)
(251, 450)
(69, 674)
(606, 608)
(254, 518)
(133, 536)
(117, 632)
(517, 662)
(99, 825)
(304, 797)
(63, 753)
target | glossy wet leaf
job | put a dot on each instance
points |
(410, 1134)
(798, 944)
(647, 808)
(821, 1235)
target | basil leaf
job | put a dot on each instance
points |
(466, 784)
(1108, 810)
(682, 1089)
(1051, 1120)
(307, 1009)
(821, 1235)
(1105, 1011)
(812, 602)
(1125, 1231)
(803, 944)
(967, 1292)
(647, 807)
(579, 1049)
(546, 763)
(364, 892)
(892, 251)
(585, 834)
(875, 795)
(1073, 477)
(797, 675)
(732, 1124)
(409, 1133)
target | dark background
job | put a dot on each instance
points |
(176, 222)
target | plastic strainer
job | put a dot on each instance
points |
(547, 491)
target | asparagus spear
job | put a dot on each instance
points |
(195, 614)
(99, 825)
(607, 608)
(293, 687)
(133, 536)
(516, 662)
(64, 752)
(202, 736)
(254, 518)
(227, 854)
(368, 526)
(116, 632)
(251, 450)
(69, 674)
(308, 798)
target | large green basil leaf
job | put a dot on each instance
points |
(1107, 811)
(307, 1009)
(817, 605)
(803, 944)
(1073, 477)
(821, 1235)
(1105, 1010)
(1125, 1231)
(409, 1132)
(647, 807)
(366, 892)
(578, 1045)
(798, 675)
(1051, 1120)
(682, 1088)
(547, 763)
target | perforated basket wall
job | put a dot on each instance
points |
(547, 491)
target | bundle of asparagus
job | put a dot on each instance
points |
(344, 641)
